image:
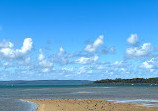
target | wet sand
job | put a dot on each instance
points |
(87, 105)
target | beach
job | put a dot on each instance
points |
(86, 105)
(79, 98)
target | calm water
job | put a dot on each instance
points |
(10, 96)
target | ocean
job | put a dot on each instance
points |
(12, 98)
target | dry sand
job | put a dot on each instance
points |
(87, 105)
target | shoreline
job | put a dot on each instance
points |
(33, 105)
(87, 105)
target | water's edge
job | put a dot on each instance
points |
(138, 102)
(33, 106)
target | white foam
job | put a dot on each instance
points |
(33, 105)
(83, 92)
(140, 102)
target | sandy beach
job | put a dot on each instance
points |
(87, 105)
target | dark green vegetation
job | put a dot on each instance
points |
(128, 81)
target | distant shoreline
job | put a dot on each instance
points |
(124, 84)
(86, 105)
(145, 81)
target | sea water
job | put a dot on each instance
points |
(12, 98)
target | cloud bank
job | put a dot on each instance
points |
(140, 60)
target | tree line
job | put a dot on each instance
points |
(128, 81)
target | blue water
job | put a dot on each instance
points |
(10, 96)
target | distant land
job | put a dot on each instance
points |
(128, 81)
(79, 82)
(45, 82)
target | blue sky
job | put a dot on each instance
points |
(83, 39)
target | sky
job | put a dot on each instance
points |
(78, 39)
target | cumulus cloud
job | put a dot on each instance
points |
(41, 56)
(6, 64)
(27, 45)
(86, 60)
(6, 44)
(60, 57)
(26, 61)
(82, 69)
(61, 51)
(117, 63)
(67, 69)
(136, 52)
(7, 50)
(96, 44)
(150, 64)
(45, 64)
(46, 70)
(133, 39)
(42, 61)
(79, 65)
(110, 50)
(146, 65)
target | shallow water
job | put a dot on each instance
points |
(10, 96)
(16, 105)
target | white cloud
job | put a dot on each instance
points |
(41, 56)
(26, 61)
(78, 65)
(45, 63)
(146, 65)
(60, 57)
(117, 63)
(6, 64)
(100, 67)
(86, 60)
(123, 69)
(7, 50)
(111, 49)
(137, 52)
(150, 65)
(81, 70)
(97, 43)
(46, 70)
(90, 71)
(61, 51)
(27, 45)
(6, 44)
(133, 39)
(67, 69)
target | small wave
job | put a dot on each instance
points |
(140, 102)
(104, 87)
(33, 106)
(83, 92)
(41, 89)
